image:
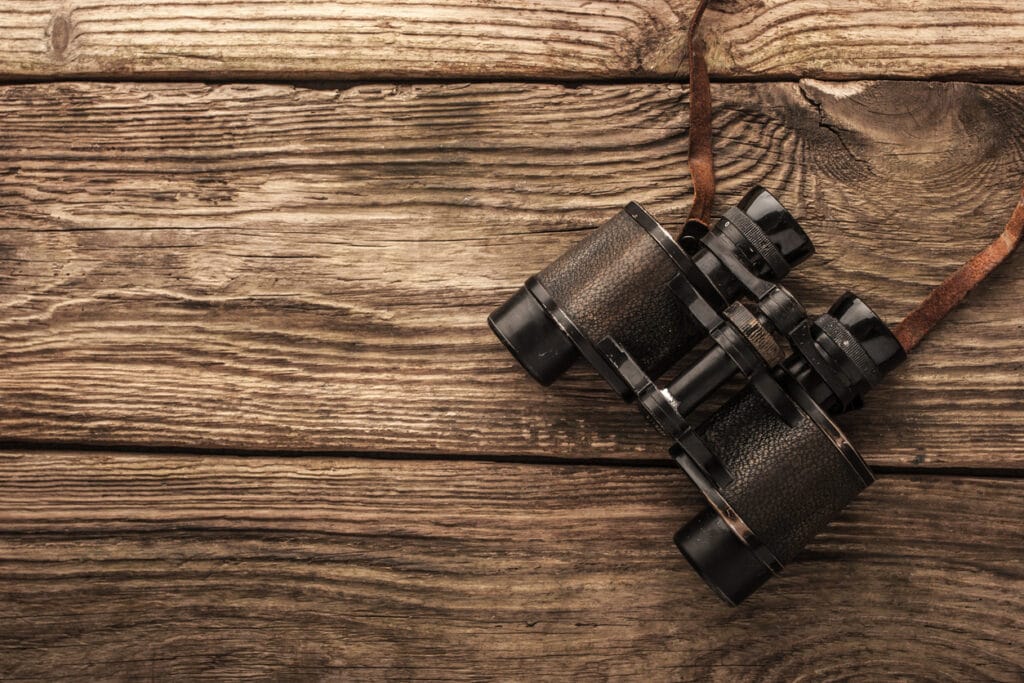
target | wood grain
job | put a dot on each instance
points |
(266, 267)
(118, 566)
(457, 39)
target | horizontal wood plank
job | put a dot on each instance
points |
(266, 267)
(118, 566)
(577, 39)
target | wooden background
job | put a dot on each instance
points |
(253, 425)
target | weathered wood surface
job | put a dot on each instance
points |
(120, 566)
(264, 267)
(456, 39)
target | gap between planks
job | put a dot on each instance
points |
(342, 84)
(980, 472)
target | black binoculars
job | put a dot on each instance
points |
(773, 466)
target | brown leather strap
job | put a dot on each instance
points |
(702, 168)
(929, 312)
(946, 296)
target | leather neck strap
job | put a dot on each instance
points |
(929, 312)
(702, 168)
(946, 296)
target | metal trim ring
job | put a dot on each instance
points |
(754, 332)
(831, 430)
(850, 346)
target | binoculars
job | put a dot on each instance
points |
(772, 464)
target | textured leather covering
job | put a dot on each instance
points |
(615, 283)
(789, 482)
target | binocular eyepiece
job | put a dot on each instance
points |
(773, 466)
(615, 283)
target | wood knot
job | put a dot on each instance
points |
(60, 33)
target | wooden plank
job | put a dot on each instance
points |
(576, 39)
(125, 566)
(265, 267)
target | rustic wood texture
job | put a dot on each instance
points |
(294, 281)
(537, 39)
(118, 566)
(264, 267)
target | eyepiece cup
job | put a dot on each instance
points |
(726, 564)
(778, 225)
(532, 337)
(867, 327)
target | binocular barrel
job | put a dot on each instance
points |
(788, 483)
(615, 283)
(788, 477)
